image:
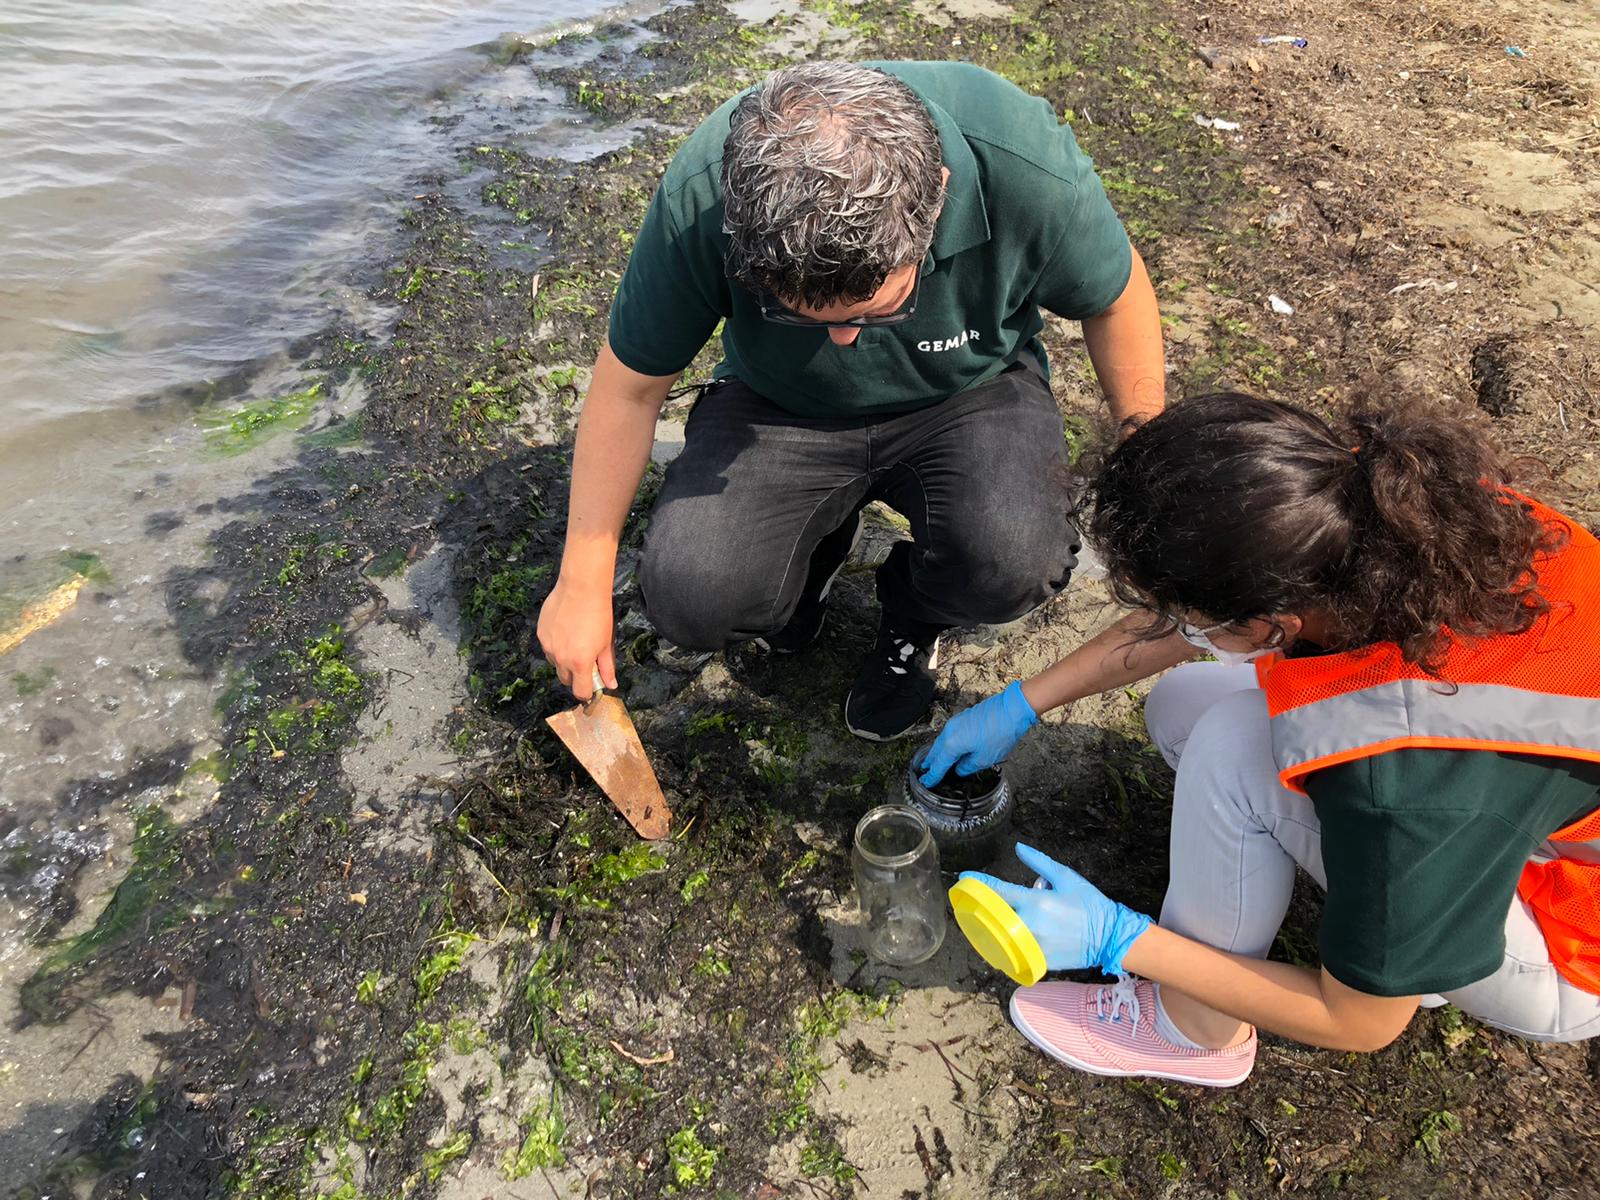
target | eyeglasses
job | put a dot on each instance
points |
(774, 310)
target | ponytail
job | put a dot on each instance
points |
(1438, 542)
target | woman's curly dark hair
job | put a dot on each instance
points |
(1395, 525)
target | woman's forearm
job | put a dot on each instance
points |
(1112, 658)
(1293, 1002)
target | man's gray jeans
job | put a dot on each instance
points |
(982, 478)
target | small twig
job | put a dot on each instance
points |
(511, 902)
(1554, 143)
(380, 605)
(948, 1066)
(99, 1029)
(927, 1159)
(652, 1061)
(1300, 1066)
(1058, 1101)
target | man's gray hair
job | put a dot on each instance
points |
(830, 180)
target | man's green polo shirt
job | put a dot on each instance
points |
(1025, 225)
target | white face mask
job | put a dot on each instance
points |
(1231, 658)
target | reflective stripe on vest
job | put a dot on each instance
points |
(1427, 714)
(1536, 692)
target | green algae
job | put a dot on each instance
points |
(38, 579)
(31, 684)
(545, 1133)
(599, 886)
(442, 963)
(348, 432)
(157, 858)
(435, 1161)
(386, 1114)
(230, 432)
(390, 563)
(690, 1161)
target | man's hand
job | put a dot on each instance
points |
(1129, 425)
(575, 630)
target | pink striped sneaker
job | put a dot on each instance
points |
(1109, 1029)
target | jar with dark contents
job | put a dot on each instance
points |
(969, 815)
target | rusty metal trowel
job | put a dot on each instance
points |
(601, 736)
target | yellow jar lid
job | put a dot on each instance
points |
(996, 932)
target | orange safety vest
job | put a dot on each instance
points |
(1536, 692)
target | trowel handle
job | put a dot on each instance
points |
(599, 686)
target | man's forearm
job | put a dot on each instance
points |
(1124, 343)
(1293, 1002)
(615, 434)
(1112, 658)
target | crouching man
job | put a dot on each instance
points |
(877, 243)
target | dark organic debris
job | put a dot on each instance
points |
(1493, 379)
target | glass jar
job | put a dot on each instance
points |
(897, 882)
(969, 815)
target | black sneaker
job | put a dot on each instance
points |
(895, 686)
(827, 560)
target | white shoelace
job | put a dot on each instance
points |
(1118, 998)
(904, 651)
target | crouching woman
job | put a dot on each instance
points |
(1405, 703)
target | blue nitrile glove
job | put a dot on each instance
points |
(979, 737)
(1076, 924)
